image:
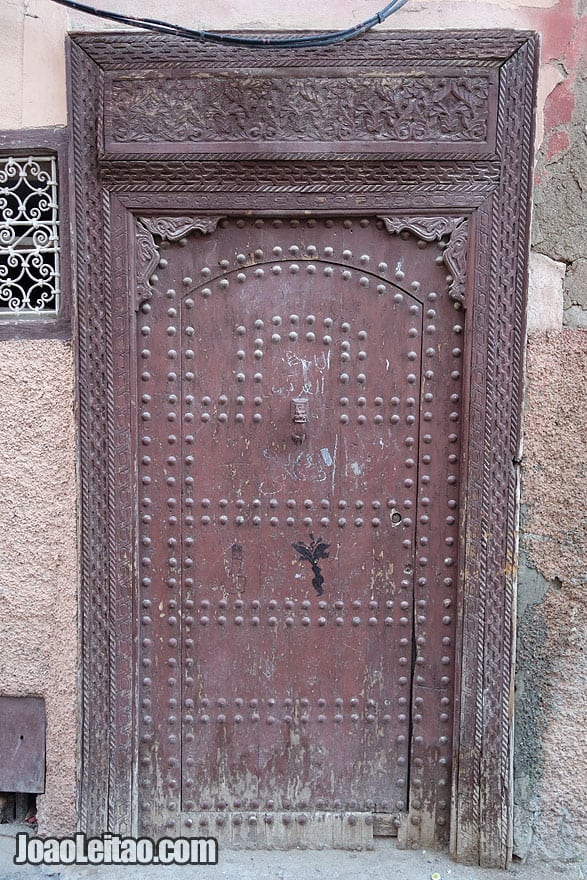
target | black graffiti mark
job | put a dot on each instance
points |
(318, 549)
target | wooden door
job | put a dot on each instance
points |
(436, 137)
(297, 483)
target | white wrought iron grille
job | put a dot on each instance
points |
(29, 237)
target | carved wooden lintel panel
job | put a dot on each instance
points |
(186, 173)
(245, 112)
(394, 49)
(159, 149)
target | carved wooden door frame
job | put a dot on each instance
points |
(432, 131)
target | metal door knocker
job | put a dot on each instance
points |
(299, 416)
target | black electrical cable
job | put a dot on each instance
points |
(292, 42)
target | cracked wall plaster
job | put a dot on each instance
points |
(533, 699)
(560, 194)
(551, 674)
(545, 293)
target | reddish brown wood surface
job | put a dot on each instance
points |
(282, 557)
(464, 187)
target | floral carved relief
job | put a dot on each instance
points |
(167, 229)
(454, 230)
(221, 109)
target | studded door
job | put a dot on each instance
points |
(297, 513)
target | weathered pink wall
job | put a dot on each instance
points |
(551, 771)
(38, 564)
(551, 750)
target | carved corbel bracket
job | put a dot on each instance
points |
(435, 229)
(147, 250)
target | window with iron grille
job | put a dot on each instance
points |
(33, 284)
(29, 236)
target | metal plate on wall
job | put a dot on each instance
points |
(22, 739)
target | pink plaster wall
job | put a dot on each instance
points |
(38, 564)
(555, 459)
(554, 540)
(32, 63)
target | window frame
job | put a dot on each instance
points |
(51, 141)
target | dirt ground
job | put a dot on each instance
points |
(385, 862)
